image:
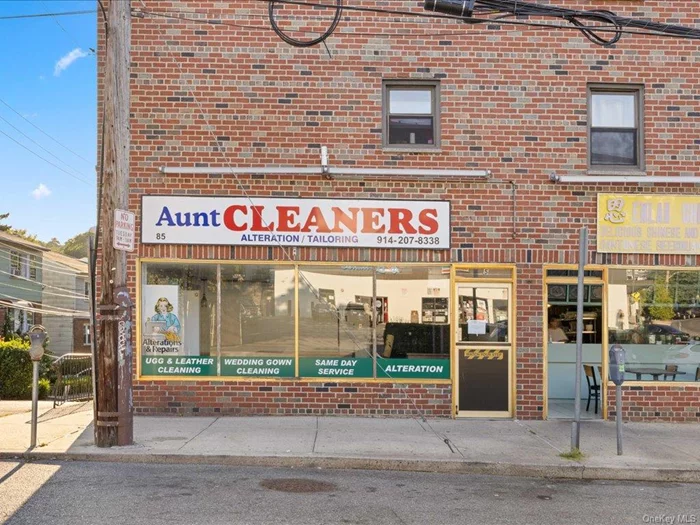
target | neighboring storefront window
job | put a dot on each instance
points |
(354, 321)
(655, 315)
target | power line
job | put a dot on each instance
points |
(42, 131)
(44, 292)
(533, 25)
(41, 267)
(37, 144)
(58, 23)
(45, 160)
(56, 308)
(27, 279)
(674, 31)
(44, 15)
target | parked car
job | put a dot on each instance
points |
(683, 355)
(671, 334)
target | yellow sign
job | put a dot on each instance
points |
(668, 224)
(489, 355)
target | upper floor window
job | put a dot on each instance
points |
(86, 289)
(615, 127)
(15, 264)
(411, 114)
(23, 265)
(34, 263)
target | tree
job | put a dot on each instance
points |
(662, 307)
(54, 245)
(76, 246)
(4, 227)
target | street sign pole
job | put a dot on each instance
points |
(576, 425)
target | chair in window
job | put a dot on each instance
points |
(593, 387)
(669, 369)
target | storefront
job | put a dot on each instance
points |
(651, 310)
(392, 338)
(328, 323)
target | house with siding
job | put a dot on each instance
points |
(66, 294)
(21, 278)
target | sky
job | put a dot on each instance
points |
(48, 77)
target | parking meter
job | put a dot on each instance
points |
(617, 364)
(617, 376)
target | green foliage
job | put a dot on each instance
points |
(574, 455)
(16, 371)
(6, 332)
(662, 307)
(4, 227)
(76, 246)
(44, 388)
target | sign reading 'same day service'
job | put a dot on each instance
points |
(664, 224)
(296, 222)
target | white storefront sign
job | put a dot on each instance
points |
(124, 230)
(242, 221)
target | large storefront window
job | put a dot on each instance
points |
(178, 320)
(655, 315)
(257, 320)
(354, 321)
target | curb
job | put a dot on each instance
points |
(573, 472)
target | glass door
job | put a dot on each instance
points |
(484, 349)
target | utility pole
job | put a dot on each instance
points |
(114, 421)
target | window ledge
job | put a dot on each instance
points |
(630, 172)
(399, 149)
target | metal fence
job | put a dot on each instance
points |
(73, 378)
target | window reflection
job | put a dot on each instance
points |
(414, 312)
(257, 310)
(334, 315)
(655, 315)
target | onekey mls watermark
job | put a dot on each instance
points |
(670, 519)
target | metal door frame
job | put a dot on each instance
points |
(477, 282)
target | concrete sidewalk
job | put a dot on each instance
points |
(652, 451)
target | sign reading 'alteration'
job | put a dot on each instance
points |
(295, 222)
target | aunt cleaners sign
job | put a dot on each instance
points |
(296, 222)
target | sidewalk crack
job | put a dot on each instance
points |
(198, 434)
(532, 432)
(313, 447)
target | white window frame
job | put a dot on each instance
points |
(87, 340)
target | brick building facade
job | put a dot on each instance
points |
(515, 101)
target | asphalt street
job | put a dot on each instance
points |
(121, 493)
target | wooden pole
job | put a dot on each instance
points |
(115, 182)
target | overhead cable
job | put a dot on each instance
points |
(42, 131)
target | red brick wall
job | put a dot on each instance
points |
(78, 336)
(512, 100)
(657, 403)
(291, 398)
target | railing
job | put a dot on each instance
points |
(73, 378)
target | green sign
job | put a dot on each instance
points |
(413, 368)
(181, 365)
(335, 367)
(257, 366)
